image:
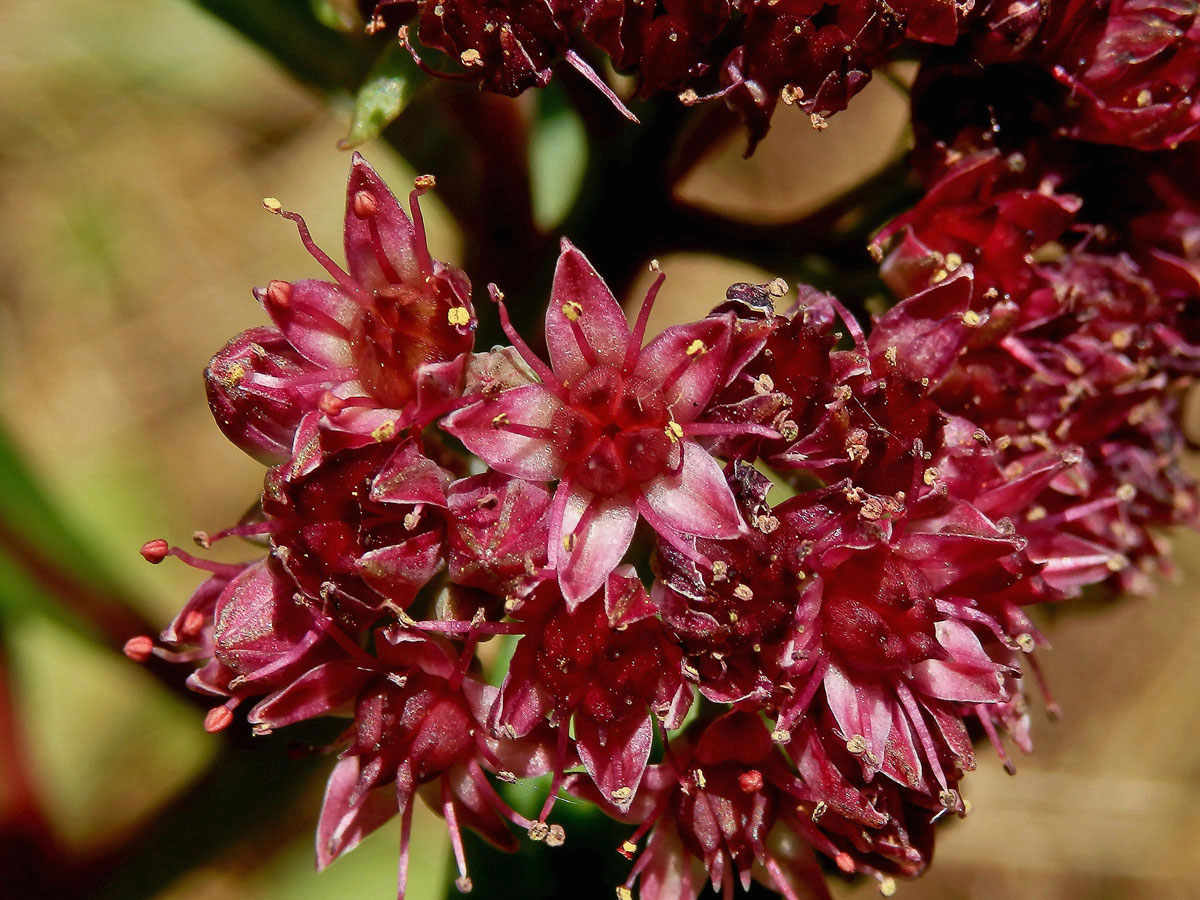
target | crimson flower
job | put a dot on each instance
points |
(617, 425)
(363, 356)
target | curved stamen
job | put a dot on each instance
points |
(339, 275)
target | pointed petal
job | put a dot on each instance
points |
(695, 500)
(615, 756)
(690, 361)
(582, 308)
(479, 427)
(601, 529)
(342, 826)
(317, 692)
(969, 676)
(317, 319)
(861, 709)
(397, 235)
(409, 476)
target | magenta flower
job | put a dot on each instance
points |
(364, 356)
(617, 425)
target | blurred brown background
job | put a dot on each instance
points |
(136, 140)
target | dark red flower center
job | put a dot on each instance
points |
(879, 613)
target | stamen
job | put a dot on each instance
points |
(339, 275)
(497, 802)
(580, 65)
(463, 882)
(639, 329)
(381, 258)
(421, 184)
(542, 370)
(560, 763)
(251, 529)
(405, 836)
(985, 719)
(158, 550)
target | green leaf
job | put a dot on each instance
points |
(383, 96)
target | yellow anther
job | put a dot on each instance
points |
(1126, 492)
(931, 476)
(674, 431)
(384, 432)
(696, 346)
(458, 315)
(572, 310)
(887, 886)
(701, 781)
(271, 204)
(971, 318)
(622, 794)
(568, 542)
(499, 421)
(470, 57)
(890, 355)
(629, 847)
(624, 893)
(857, 744)
(953, 261)
(1025, 642)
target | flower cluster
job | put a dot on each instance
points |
(759, 576)
(1128, 72)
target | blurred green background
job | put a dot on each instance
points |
(136, 140)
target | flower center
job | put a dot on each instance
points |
(615, 432)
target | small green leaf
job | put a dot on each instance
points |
(383, 96)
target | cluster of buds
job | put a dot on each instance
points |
(1128, 70)
(756, 579)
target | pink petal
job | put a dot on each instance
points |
(582, 308)
(342, 826)
(615, 756)
(396, 232)
(861, 708)
(523, 456)
(690, 361)
(969, 676)
(317, 319)
(398, 572)
(695, 500)
(317, 692)
(409, 476)
(625, 598)
(599, 540)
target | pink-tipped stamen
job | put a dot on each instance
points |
(580, 65)
(456, 843)
(560, 762)
(339, 274)
(638, 336)
(421, 245)
(985, 719)
(226, 570)
(543, 371)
